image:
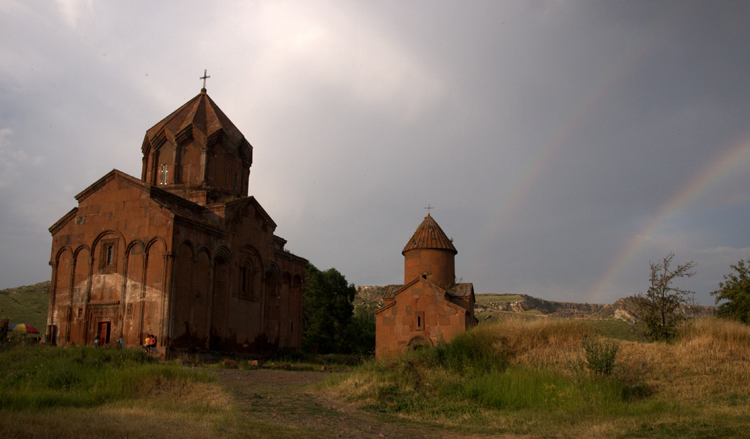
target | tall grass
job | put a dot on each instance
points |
(33, 377)
(512, 365)
(566, 374)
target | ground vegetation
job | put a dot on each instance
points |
(543, 377)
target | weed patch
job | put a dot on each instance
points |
(556, 377)
(34, 377)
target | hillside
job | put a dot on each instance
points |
(489, 305)
(26, 304)
(623, 309)
(618, 320)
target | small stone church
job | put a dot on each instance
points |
(429, 305)
(183, 253)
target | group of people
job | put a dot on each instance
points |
(149, 343)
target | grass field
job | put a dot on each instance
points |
(535, 377)
(85, 392)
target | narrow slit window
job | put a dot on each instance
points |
(243, 280)
(108, 256)
(164, 173)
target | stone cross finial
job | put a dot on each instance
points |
(204, 77)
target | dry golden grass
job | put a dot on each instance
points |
(695, 387)
(710, 358)
(538, 342)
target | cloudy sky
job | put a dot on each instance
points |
(562, 144)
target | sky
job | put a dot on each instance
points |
(563, 145)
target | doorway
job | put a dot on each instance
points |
(103, 332)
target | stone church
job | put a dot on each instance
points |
(429, 305)
(183, 253)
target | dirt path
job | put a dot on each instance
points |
(287, 398)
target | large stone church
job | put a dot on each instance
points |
(430, 305)
(183, 253)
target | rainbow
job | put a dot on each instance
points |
(564, 130)
(723, 166)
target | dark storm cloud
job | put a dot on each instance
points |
(560, 142)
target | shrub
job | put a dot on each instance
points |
(600, 357)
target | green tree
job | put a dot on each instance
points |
(736, 291)
(361, 330)
(658, 306)
(327, 310)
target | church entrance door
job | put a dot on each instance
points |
(103, 332)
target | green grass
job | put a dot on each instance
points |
(34, 377)
(547, 377)
(27, 304)
(472, 373)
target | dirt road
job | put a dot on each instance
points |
(287, 399)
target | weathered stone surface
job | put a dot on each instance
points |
(149, 257)
(430, 306)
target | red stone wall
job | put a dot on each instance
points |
(400, 325)
(121, 259)
(439, 265)
(105, 232)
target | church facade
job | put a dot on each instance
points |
(429, 306)
(183, 253)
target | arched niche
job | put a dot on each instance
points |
(63, 272)
(81, 279)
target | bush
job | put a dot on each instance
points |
(600, 357)
(472, 352)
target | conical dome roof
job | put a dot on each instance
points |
(429, 235)
(199, 118)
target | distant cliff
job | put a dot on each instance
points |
(622, 309)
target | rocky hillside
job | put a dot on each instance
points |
(488, 305)
(622, 309)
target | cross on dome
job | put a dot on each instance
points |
(204, 77)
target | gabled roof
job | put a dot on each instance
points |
(200, 118)
(185, 211)
(401, 288)
(429, 235)
(458, 290)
